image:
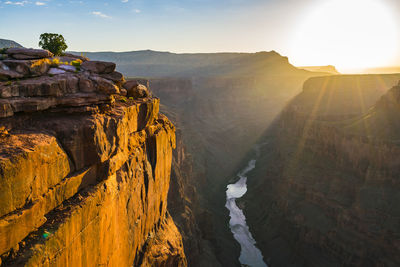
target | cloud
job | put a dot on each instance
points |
(125, 1)
(101, 15)
(136, 10)
(40, 3)
(18, 3)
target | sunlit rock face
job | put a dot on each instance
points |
(84, 180)
(326, 189)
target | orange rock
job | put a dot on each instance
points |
(109, 211)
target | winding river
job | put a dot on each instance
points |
(250, 255)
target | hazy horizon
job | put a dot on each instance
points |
(366, 70)
(349, 34)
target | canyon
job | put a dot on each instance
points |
(223, 114)
(219, 113)
(100, 161)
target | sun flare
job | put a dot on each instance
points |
(350, 34)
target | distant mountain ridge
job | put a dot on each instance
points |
(8, 43)
(329, 69)
(148, 63)
(383, 70)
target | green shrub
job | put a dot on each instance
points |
(55, 62)
(53, 42)
(77, 64)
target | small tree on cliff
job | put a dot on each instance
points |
(53, 42)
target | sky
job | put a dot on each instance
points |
(310, 32)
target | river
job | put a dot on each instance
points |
(250, 255)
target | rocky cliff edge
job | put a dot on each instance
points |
(85, 163)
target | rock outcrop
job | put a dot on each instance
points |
(84, 171)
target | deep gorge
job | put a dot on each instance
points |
(100, 162)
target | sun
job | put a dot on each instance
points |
(350, 34)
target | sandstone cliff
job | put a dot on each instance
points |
(85, 163)
(326, 189)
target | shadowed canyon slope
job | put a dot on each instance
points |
(325, 191)
(84, 171)
(222, 118)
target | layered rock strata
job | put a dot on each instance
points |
(326, 189)
(84, 170)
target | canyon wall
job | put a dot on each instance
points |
(326, 188)
(220, 119)
(188, 213)
(85, 164)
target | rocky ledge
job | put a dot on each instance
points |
(33, 80)
(85, 163)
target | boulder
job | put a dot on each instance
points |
(104, 85)
(136, 90)
(20, 66)
(115, 76)
(145, 82)
(130, 84)
(28, 67)
(9, 74)
(28, 53)
(100, 67)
